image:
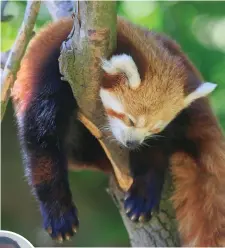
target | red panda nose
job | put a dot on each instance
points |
(132, 144)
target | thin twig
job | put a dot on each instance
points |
(3, 17)
(17, 52)
(5, 55)
(161, 231)
(59, 9)
(92, 38)
(4, 58)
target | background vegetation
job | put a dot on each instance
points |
(199, 27)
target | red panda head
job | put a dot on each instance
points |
(141, 107)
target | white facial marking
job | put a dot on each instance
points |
(109, 100)
(203, 90)
(132, 118)
(123, 63)
(118, 129)
(123, 133)
(136, 134)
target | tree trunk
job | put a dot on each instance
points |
(161, 231)
(94, 37)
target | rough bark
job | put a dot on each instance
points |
(161, 231)
(93, 37)
(17, 52)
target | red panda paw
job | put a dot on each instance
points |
(60, 223)
(143, 198)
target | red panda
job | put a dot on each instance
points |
(156, 105)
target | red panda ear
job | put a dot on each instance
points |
(111, 80)
(122, 68)
(203, 90)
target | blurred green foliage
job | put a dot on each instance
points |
(199, 27)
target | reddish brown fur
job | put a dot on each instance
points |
(200, 184)
(160, 71)
(175, 49)
(114, 114)
(109, 81)
(42, 172)
(202, 192)
(120, 116)
(199, 198)
(45, 41)
(48, 39)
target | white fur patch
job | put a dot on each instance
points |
(123, 133)
(136, 134)
(123, 63)
(118, 129)
(203, 90)
(109, 100)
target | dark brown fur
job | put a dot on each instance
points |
(42, 172)
(199, 174)
(43, 44)
(198, 166)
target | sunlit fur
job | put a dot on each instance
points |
(124, 133)
(123, 63)
(163, 90)
(167, 77)
(169, 84)
(149, 112)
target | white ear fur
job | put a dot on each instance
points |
(109, 100)
(123, 63)
(203, 90)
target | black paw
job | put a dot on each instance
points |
(60, 222)
(143, 198)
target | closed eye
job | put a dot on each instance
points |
(128, 121)
(132, 121)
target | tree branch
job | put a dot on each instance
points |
(4, 18)
(59, 9)
(4, 58)
(161, 231)
(93, 37)
(17, 52)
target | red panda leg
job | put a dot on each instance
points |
(199, 198)
(85, 151)
(148, 168)
(43, 131)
